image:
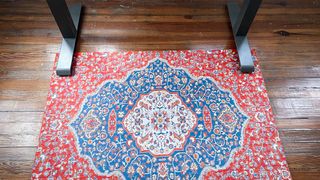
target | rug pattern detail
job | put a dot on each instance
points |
(159, 119)
(159, 115)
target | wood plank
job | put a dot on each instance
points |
(17, 153)
(26, 85)
(23, 105)
(20, 117)
(301, 148)
(299, 123)
(310, 163)
(19, 134)
(305, 175)
(296, 107)
(293, 87)
(300, 135)
(15, 169)
(26, 75)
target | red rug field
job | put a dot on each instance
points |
(159, 115)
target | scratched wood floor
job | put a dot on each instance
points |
(286, 35)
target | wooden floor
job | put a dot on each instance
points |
(286, 35)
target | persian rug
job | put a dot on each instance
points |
(159, 115)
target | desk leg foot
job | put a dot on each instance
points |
(64, 67)
(241, 20)
(67, 19)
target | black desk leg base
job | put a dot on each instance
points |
(241, 20)
(68, 22)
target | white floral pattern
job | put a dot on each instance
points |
(160, 122)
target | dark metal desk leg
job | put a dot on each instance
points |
(68, 21)
(241, 20)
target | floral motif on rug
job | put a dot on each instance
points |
(159, 115)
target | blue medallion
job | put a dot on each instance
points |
(159, 123)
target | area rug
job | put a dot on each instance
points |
(159, 115)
